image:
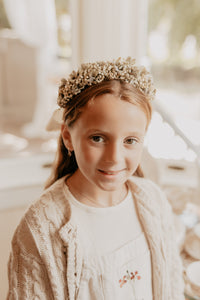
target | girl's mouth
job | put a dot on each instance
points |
(109, 172)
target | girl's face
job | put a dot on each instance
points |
(107, 140)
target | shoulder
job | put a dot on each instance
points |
(150, 194)
(51, 205)
(50, 212)
(146, 186)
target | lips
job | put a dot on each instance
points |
(108, 172)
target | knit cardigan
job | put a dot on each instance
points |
(46, 257)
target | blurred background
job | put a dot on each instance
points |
(42, 41)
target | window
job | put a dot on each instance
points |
(174, 54)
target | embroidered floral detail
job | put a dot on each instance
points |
(123, 281)
(131, 278)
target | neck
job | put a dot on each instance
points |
(93, 196)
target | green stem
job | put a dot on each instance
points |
(134, 289)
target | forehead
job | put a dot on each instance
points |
(108, 111)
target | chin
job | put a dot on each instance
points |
(110, 187)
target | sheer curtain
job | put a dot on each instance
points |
(34, 22)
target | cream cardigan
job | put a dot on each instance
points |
(46, 258)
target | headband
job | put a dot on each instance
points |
(93, 73)
(90, 74)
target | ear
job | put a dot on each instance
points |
(66, 136)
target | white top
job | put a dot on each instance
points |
(113, 243)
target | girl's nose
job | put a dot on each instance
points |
(113, 153)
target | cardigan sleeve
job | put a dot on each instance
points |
(26, 272)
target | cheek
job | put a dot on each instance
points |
(89, 154)
(140, 152)
(135, 156)
(90, 157)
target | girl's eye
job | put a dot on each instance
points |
(131, 141)
(97, 139)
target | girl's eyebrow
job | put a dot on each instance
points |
(97, 130)
(133, 133)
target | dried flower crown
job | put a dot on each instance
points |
(93, 73)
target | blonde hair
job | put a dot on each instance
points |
(64, 163)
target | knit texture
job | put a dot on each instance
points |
(46, 257)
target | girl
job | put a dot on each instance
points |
(100, 230)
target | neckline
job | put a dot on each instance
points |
(92, 209)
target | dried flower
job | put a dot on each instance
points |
(93, 73)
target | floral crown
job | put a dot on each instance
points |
(93, 73)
